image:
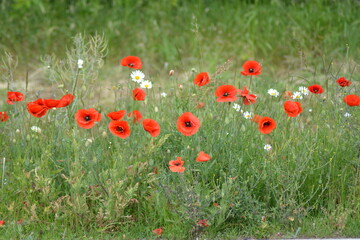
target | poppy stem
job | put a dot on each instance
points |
(3, 173)
(250, 81)
(76, 80)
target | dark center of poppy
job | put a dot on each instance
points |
(188, 124)
(87, 118)
(131, 64)
(177, 164)
(119, 129)
(266, 124)
(251, 70)
(226, 94)
(316, 90)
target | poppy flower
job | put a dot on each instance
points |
(86, 118)
(131, 62)
(176, 165)
(158, 231)
(136, 115)
(15, 97)
(200, 105)
(292, 109)
(151, 126)
(37, 108)
(256, 118)
(2, 222)
(352, 100)
(317, 89)
(251, 68)
(247, 98)
(287, 95)
(266, 125)
(138, 94)
(343, 82)
(202, 79)
(203, 223)
(188, 124)
(115, 116)
(203, 157)
(226, 93)
(3, 116)
(120, 129)
(65, 100)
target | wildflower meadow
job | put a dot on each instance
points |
(101, 140)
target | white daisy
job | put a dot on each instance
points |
(267, 147)
(273, 92)
(304, 90)
(237, 107)
(80, 63)
(347, 114)
(36, 129)
(297, 95)
(163, 94)
(146, 84)
(248, 115)
(137, 76)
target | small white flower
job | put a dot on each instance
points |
(237, 107)
(267, 147)
(304, 90)
(146, 84)
(297, 95)
(273, 92)
(163, 94)
(17, 131)
(310, 110)
(137, 76)
(347, 114)
(80, 63)
(36, 129)
(248, 115)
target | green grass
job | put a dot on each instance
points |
(80, 183)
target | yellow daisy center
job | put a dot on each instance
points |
(137, 77)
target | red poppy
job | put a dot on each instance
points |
(131, 62)
(151, 126)
(352, 100)
(202, 79)
(203, 157)
(176, 165)
(138, 94)
(226, 93)
(136, 115)
(266, 125)
(200, 105)
(317, 89)
(188, 124)
(19, 221)
(65, 100)
(343, 82)
(247, 98)
(120, 129)
(2, 222)
(158, 231)
(37, 108)
(86, 118)
(15, 97)
(3, 116)
(256, 118)
(292, 109)
(115, 116)
(203, 223)
(287, 94)
(251, 68)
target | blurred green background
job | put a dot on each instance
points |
(183, 34)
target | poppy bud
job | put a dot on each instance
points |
(171, 72)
